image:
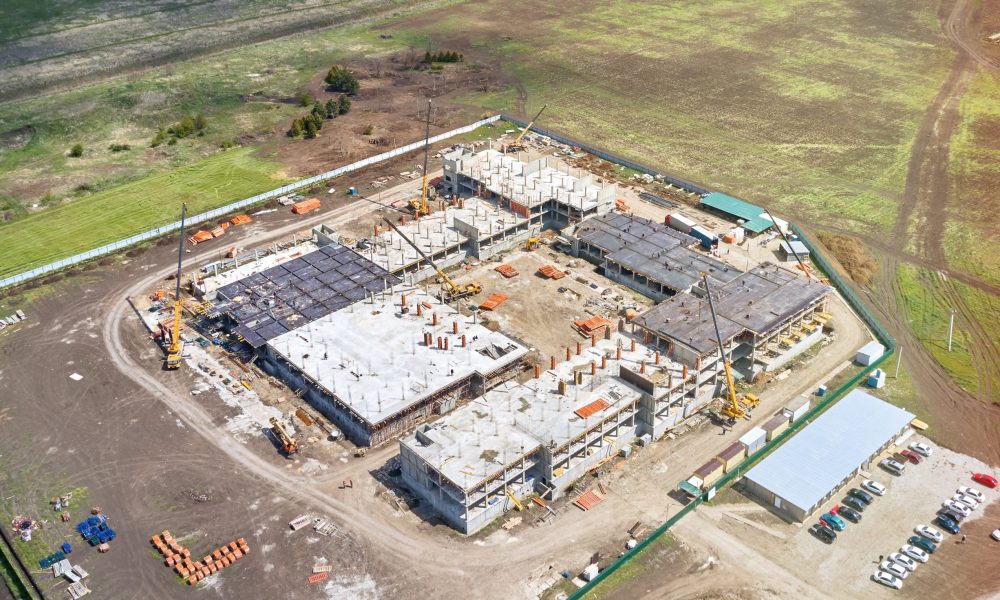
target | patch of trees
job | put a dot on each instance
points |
(186, 127)
(444, 56)
(339, 79)
(309, 125)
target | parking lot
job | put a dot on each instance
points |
(846, 565)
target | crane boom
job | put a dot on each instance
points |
(516, 146)
(174, 350)
(454, 289)
(734, 408)
(424, 209)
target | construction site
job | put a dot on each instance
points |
(507, 346)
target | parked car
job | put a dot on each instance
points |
(954, 515)
(922, 448)
(915, 553)
(861, 495)
(824, 533)
(874, 487)
(955, 506)
(966, 501)
(888, 580)
(923, 543)
(967, 491)
(984, 479)
(929, 532)
(996, 534)
(893, 466)
(904, 561)
(893, 569)
(948, 524)
(849, 513)
(834, 522)
(912, 456)
(854, 503)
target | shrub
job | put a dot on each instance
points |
(76, 151)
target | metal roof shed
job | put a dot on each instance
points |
(754, 217)
(808, 469)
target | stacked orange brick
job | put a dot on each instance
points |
(179, 558)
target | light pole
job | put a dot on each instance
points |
(951, 327)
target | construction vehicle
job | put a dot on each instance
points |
(176, 346)
(452, 291)
(419, 205)
(735, 407)
(532, 243)
(288, 443)
(516, 145)
(513, 498)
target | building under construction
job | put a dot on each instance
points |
(651, 258)
(381, 365)
(766, 316)
(541, 436)
(541, 191)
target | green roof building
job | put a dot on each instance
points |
(754, 218)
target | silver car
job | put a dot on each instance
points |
(893, 569)
(915, 553)
(966, 500)
(904, 561)
(967, 491)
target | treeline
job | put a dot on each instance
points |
(309, 125)
(444, 56)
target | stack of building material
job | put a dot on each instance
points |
(318, 577)
(507, 271)
(241, 220)
(588, 500)
(494, 301)
(551, 272)
(179, 558)
(218, 231)
(301, 208)
(96, 530)
(200, 236)
(593, 326)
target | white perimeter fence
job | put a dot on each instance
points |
(218, 212)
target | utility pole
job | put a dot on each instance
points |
(951, 327)
(899, 361)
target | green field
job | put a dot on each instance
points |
(133, 207)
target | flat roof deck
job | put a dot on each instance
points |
(372, 357)
(806, 468)
(759, 300)
(531, 183)
(437, 231)
(477, 441)
(277, 300)
(653, 250)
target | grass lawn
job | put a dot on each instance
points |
(132, 208)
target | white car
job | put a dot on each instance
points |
(966, 500)
(915, 553)
(904, 561)
(930, 533)
(996, 534)
(874, 487)
(922, 449)
(888, 580)
(893, 569)
(957, 507)
(967, 491)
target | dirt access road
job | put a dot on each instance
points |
(966, 423)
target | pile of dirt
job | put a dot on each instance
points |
(852, 254)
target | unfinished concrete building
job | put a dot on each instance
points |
(543, 435)
(542, 191)
(473, 228)
(649, 257)
(382, 365)
(767, 316)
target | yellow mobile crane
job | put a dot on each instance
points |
(454, 291)
(419, 205)
(516, 145)
(174, 349)
(737, 408)
(288, 443)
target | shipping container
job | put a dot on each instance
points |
(869, 353)
(775, 426)
(680, 222)
(795, 409)
(754, 440)
(732, 456)
(709, 472)
(706, 237)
